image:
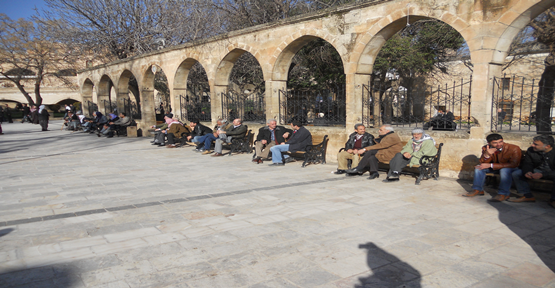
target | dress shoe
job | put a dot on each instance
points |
(171, 146)
(389, 180)
(289, 160)
(522, 199)
(217, 154)
(256, 160)
(354, 171)
(155, 143)
(206, 152)
(161, 145)
(339, 172)
(499, 198)
(474, 193)
(276, 164)
(374, 175)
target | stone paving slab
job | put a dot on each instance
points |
(81, 211)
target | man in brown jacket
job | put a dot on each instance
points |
(387, 145)
(497, 156)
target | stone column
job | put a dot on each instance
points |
(354, 90)
(120, 101)
(216, 102)
(482, 85)
(148, 112)
(175, 95)
(101, 106)
(272, 100)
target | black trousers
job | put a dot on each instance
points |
(171, 138)
(44, 124)
(397, 163)
(369, 160)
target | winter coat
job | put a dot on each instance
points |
(389, 145)
(534, 159)
(299, 140)
(427, 149)
(367, 140)
(264, 133)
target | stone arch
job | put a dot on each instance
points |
(123, 98)
(367, 49)
(87, 90)
(181, 89)
(226, 64)
(103, 93)
(286, 51)
(516, 18)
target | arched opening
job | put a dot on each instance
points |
(104, 95)
(154, 95)
(315, 93)
(523, 97)
(420, 75)
(244, 96)
(126, 102)
(192, 91)
(87, 90)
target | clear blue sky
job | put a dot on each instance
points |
(16, 9)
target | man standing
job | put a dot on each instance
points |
(43, 117)
(420, 145)
(497, 156)
(300, 139)
(268, 137)
(387, 145)
(539, 163)
(357, 140)
(238, 130)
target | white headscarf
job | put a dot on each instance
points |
(41, 107)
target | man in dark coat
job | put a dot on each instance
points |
(43, 117)
(237, 130)
(268, 137)
(298, 141)
(539, 163)
(26, 113)
(357, 141)
(199, 130)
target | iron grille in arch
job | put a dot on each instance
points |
(313, 107)
(251, 107)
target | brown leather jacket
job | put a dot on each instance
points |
(509, 157)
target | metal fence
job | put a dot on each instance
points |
(91, 108)
(522, 105)
(318, 108)
(132, 109)
(109, 106)
(250, 107)
(196, 106)
(441, 107)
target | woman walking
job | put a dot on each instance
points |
(43, 117)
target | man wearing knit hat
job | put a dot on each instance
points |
(420, 145)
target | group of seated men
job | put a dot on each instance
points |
(366, 152)
(99, 123)
(506, 159)
(173, 131)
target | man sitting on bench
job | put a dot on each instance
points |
(496, 156)
(539, 163)
(268, 137)
(298, 141)
(357, 140)
(420, 145)
(238, 130)
(387, 145)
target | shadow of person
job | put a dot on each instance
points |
(468, 163)
(387, 270)
(538, 231)
(48, 276)
(6, 231)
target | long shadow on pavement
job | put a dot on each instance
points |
(538, 231)
(387, 269)
(47, 276)
(6, 231)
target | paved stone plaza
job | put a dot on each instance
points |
(81, 211)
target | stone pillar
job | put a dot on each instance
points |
(148, 112)
(175, 95)
(272, 100)
(482, 85)
(354, 90)
(120, 101)
(101, 107)
(216, 102)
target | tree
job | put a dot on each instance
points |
(421, 49)
(544, 32)
(28, 55)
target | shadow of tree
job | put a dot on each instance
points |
(387, 270)
(47, 276)
(538, 231)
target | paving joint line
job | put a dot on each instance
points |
(157, 203)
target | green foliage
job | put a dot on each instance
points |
(316, 66)
(418, 49)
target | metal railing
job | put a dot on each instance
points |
(318, 108)
(91, 108)
(109, 106)
(522, 104)
(132, 109)
(442, 107)
(250, 107)
(195, 106)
